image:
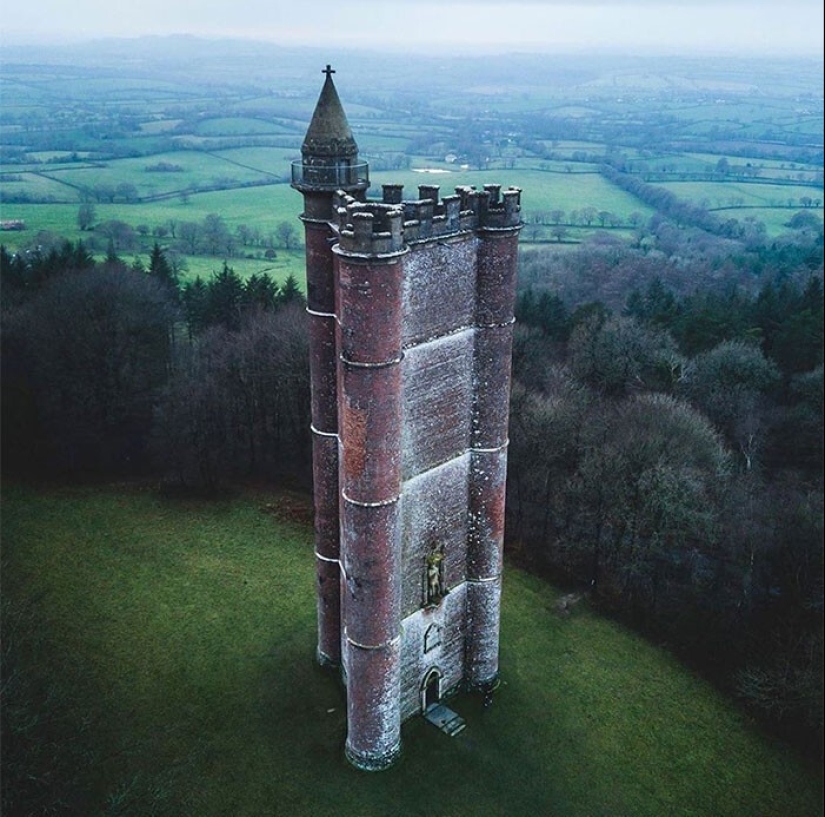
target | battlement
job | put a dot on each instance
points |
(385, 226)
(368, 228)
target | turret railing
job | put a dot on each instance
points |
(331, 177)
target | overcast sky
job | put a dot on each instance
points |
(690, 26)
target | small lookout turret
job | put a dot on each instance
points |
(329, 154)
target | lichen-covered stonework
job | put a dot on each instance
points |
(373, 705)
(434, 513)
(446, 644)
(439, 289)
(482, 629)
(438, 395)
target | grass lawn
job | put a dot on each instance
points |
(176, 640)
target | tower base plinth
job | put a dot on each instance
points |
(373, 763)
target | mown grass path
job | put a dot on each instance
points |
(177, 640)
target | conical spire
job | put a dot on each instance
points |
(329, 135)
(329, 155)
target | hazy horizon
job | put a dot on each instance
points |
(698, 27)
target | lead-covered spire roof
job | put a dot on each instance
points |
(329, 135)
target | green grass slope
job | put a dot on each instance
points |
(165, 666)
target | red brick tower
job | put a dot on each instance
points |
(411, 308)
(329, 163)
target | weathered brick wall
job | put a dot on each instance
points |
(324, 400)
(424, 649)
(497, 266)
(439, 288)
(369, 309)
(373, 706)
(434, 513)
(481, 633)
(438, 395)
(439, 310)
(458, 324)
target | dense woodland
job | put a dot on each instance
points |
(667, 453)
(666, 426)
(113, 369)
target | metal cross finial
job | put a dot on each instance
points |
(329, 71)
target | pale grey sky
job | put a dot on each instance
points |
(789, 27)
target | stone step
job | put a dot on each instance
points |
(445, 719)
(455, 726)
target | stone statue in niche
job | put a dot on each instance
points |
(436, 588)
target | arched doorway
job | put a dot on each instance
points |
(430, 689)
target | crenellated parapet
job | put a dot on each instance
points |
(380, 227)
(501, 209)
(369, 228)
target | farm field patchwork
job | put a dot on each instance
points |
(541, 191)
(152, 149)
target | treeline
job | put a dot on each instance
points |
(209, 236)
(667, 455)
(669, 205)
(116, 369)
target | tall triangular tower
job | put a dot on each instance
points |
(411, 321)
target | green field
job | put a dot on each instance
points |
(261, 207)
(66, 182)
(775, 219)
(264, 207)
(542, 191)
(166, 666)
(768, 169)
(757, 194)
(161, 144)
(288, 262)
(234, 126)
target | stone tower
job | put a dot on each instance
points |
(411, 319)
